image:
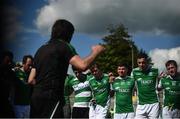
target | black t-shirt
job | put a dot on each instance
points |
(51, 62)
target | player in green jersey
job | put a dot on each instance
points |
(146, 80)
(67, 92)
(80, 85)
(100, 87)
(123, 86)
(171, 90)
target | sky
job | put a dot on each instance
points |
(153, 25)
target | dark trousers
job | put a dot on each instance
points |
(80, 112)
(6, 110)
(43, 106)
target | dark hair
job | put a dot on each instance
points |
(6, 53)
(26, 57)
(123, 65)
(94, 65)
(171, 62)
(62, 29)
(142, 55)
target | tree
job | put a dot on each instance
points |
(119, 47)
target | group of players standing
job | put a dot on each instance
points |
(92, 92)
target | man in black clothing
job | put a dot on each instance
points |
(50, 68)
(7, 81)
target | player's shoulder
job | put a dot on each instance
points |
(105, 75)
(130, 78)
(154, 69)
(136, 69)
(90, 77)
(118, 77)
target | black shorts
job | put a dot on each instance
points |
(80, 112)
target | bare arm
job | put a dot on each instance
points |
(82, 64)
(31, 79)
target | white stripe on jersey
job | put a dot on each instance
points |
(84, 94)
(81, 104)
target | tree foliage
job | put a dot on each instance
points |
(119, 47)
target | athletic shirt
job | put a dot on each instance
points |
(146, 85)
(100, 89)
(22, 89)
(171, 91)
(123, 88)
(67, 89)
(82, 92)
(51, 62)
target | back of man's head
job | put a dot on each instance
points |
(6, 57)
(62, 29)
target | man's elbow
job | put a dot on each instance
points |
(82, 67)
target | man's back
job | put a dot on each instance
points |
(51, 63)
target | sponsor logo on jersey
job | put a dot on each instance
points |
(81, 86)
(124, 90)
(146, 81)
(174, 92)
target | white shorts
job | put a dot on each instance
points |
(167, 113)
(147, 111)
(98, 112)
(124, 115)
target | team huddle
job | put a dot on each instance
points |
(46, 74)
(92, 91)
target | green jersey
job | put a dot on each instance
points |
(171, 91)
(82, 92)
(123, 88)
(67, 89)
(22, 89)
(100, 89)
(146, 85)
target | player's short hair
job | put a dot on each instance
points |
(26, 57)
(123, 65)
(62, 29)
(142, 55)
(94, 66)
(171, 62)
